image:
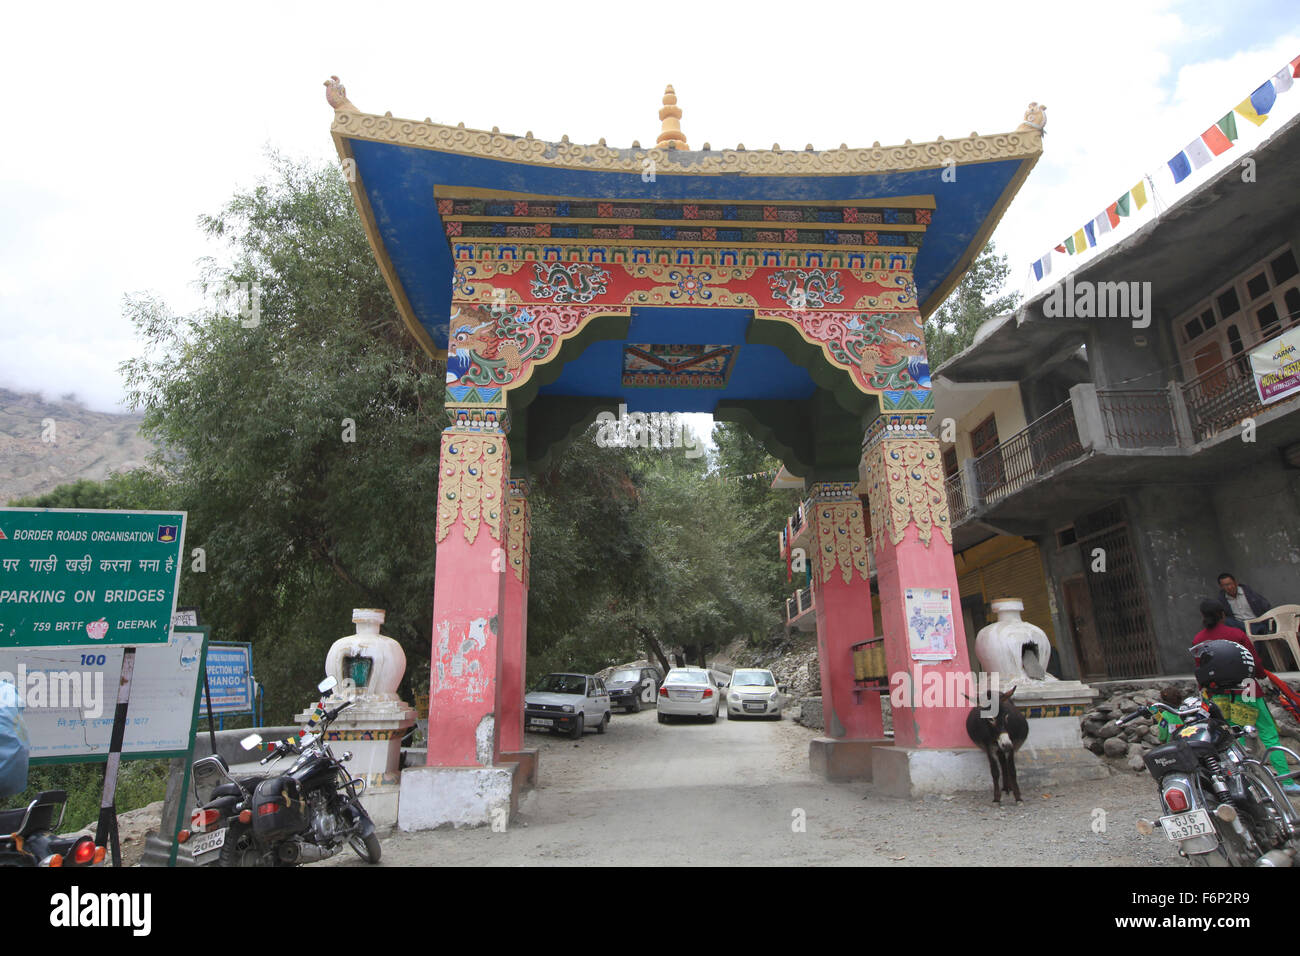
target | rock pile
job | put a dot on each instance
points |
(1125, 746)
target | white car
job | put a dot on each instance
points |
(569, 703)
(753, 692)
(688, 692)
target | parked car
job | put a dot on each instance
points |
(631, 688)
(688, 692)
(753, 692)
(567, 702)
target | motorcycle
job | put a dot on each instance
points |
(1224, 807)
(27, 837)
(306, 814)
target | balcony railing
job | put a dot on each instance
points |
(1222, 397)
(798, 603)
(1136, 418)
(958, 506)
(1038, 449)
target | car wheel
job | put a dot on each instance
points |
(636, 706)
(663, 718)
(600, 728)
(576, 732)
(712, 718)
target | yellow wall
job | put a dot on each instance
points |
(1006, 408)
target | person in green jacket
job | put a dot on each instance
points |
(1166, 723)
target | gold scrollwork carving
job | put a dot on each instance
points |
(470, 484)
(842, 540)
(518, 537)
(905, 485)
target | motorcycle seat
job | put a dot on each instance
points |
(10, 820)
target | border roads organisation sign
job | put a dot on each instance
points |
(70, 577)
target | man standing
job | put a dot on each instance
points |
(1239, 602)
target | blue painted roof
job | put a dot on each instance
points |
(399, 182)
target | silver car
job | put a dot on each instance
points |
(688, 692)
(754, 693)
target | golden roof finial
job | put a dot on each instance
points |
(671, 136)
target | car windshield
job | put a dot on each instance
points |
(753, 679)
(624, 675)
(687, 677)
(562, 684)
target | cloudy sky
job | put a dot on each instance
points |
(129, 121)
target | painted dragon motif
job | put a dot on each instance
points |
(564, 282)
(806, 288)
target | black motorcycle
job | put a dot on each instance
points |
(28, 836)
(306, 814)
(1223, 807)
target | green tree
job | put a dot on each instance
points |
(977, 298)
(303, 441)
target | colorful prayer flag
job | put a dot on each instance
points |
(1139, 192)
(1080, 241)
(1061, 247)
(1069, 245)
(1295, 66)
(1221, 135)
(1247, 111)
(1121, 205)
(1198, 153)
(1180, 167)
(1043, 266)
(1101, 223)
(1112, 213)
(1092, 236)
(1282, 80)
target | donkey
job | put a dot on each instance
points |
(1000, 736)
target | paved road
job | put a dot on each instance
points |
(692, 793)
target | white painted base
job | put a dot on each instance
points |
(914, 772)
(911, 772)
(433, 797)
(381, 803)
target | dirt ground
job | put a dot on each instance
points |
(734, 792)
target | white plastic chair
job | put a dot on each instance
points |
(1282, 623)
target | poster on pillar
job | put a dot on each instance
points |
(931, 635)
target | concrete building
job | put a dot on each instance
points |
(1134, 449)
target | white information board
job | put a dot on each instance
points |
(69, 694)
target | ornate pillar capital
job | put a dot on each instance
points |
(905, 486)
(471, 481)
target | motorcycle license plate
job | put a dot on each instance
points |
(202, 843)
(1184, 826)
(540, 722)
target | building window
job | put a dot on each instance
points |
(949, 462)
(1261, 302)
(984, 436)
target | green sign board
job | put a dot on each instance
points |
(88, 577)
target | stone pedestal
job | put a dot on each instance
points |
(368, 667)
(842, 760)
(454, 797)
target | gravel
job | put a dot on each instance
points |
(738, 791)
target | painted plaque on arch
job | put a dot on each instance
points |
(931, 634)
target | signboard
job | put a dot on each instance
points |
(88, 577)
(69, 694)
(230, 678)
(930, 632)
(1276, 367)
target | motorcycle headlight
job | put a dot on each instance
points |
(567, 708)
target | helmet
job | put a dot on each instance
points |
(1222, 665)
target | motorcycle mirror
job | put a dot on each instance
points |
(327, 684)
(251, 741)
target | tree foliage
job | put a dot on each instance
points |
(305, 447)
(977, 298)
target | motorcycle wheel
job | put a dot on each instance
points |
(367, 847)
(1231, 851)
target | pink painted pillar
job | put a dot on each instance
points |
(469, 598)
(912, 535)
(514, 640)
(842, 604)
